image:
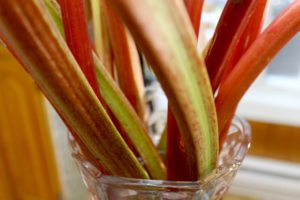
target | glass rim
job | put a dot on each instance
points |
(220, 171)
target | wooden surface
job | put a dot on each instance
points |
(275, 141)
(27, 164)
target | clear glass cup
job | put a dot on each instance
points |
(103, 187)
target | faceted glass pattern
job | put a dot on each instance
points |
(104, 187)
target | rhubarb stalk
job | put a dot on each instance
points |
(101, 36)
(194, 8)
(127, 62)
(165, 35)
(127, 121)
(177, 163)
(76, 32)
(228, 38)
(132, 125)
(43, 52)
(245, 38)
(255, 59)
(176, 155)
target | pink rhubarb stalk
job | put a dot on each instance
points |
(255, 59)
(244, 37)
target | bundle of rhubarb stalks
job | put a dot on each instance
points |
(85, 58)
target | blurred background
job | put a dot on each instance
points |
(36, 163)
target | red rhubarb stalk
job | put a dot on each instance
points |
(255, 59)
(194, 8)
(228, 36)
(246, 38)
(176, 159)
(76, 33)
(127, 62)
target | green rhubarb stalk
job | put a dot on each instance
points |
(176, 155)
(101, 35)
(165, 35)
(162, 144)
(56, 15)
(42, 51)
(130, 122)
(96, 16)
(255, 59)
(127, 62)
(106, 55)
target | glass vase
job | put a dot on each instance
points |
(103, 187)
